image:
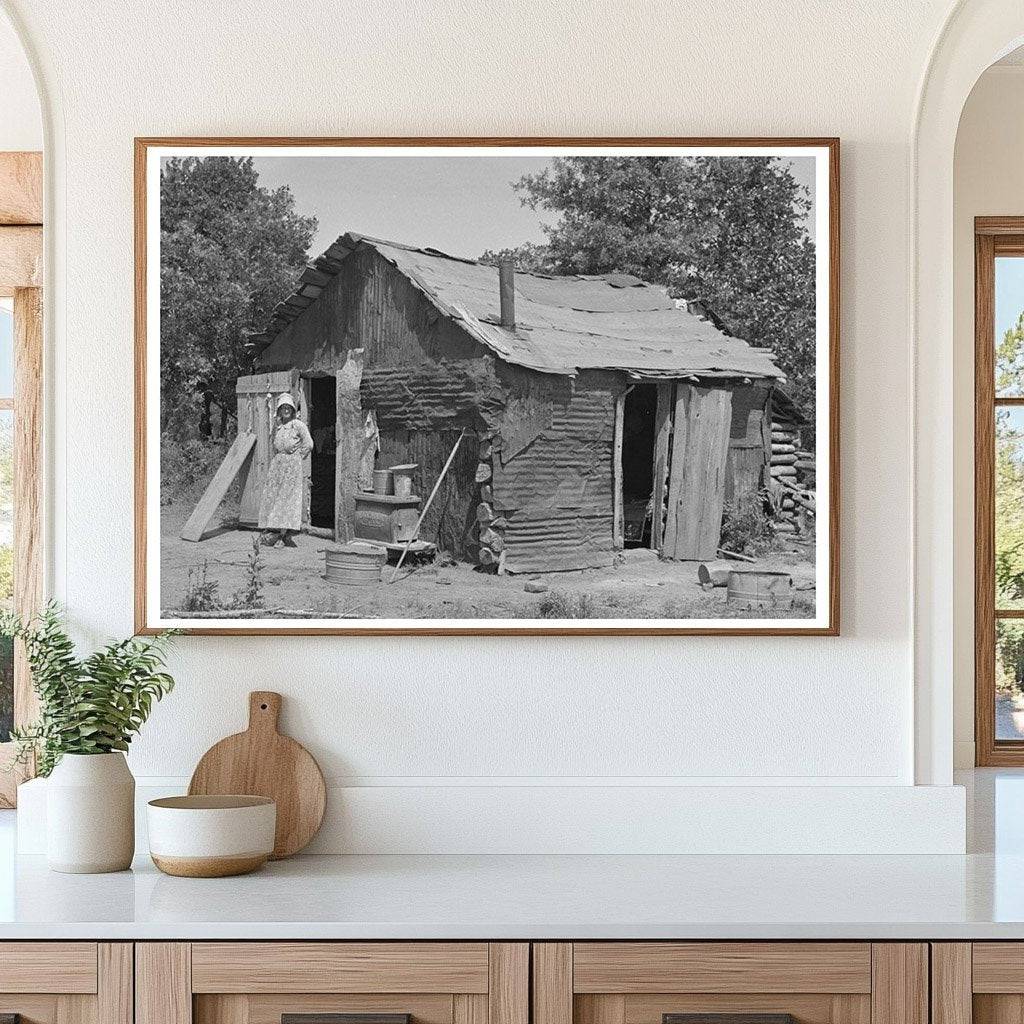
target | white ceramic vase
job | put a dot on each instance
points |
(90, 814)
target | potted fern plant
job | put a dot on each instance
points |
(89, 710)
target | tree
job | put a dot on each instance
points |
(728, 232)
(230, 250)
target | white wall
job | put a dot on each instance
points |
(21, 125)
(445, 714)
(988, 180)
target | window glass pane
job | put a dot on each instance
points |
(1009, 484)
(6, 349)
(1009, 679)
(1009, 324)
(6, 566)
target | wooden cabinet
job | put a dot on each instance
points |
(980, 982)
(646, 982)
(66, 982)
(260, 982)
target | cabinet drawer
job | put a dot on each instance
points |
(630, 967)
(66, 982)
(263, 982)
(737, 982)
(340, 967)
(48, 967)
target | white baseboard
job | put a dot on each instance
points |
(600, 819)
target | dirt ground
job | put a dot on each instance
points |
(640, 586)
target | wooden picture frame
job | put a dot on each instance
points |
(825, 619)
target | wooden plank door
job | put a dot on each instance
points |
(738, 982)
(257, 396)
(696, 483)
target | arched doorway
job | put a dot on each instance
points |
(976, 34)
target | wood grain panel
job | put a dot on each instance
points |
(21, 258)
(163, 983)
(469, 1008)
(552, 983)
(267, 1009)
(756, 967)
(508, 991)
(599, 1009)
(998, 967)
(998, 1009)
(851, 1009)
(115, 983)
(21, 188)
(76, 1009)
(806, 1008)
(899, 990)
(227, 1009)
(951, 983)
(339, 967)
(48, 967)
(33, 1009)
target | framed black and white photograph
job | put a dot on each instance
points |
(487, 386)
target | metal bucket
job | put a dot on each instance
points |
(403, 479)
(383, 481)
(765, 589)
(355, 565)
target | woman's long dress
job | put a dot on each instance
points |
(281, 505)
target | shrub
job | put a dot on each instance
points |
(200, 592)
(561, 604)
(747, 526)
(90, 705)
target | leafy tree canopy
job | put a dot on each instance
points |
(230, 250)
(724, 231)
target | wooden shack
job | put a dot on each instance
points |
(584, 398)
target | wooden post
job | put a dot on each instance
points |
(350, 437)
(662, 437)
(28, 481)
(618, 535)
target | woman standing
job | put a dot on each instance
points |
(281, 506)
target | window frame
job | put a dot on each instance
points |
(993, 237)
(21, 262)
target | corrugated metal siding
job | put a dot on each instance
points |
(435, 396)
(556, 493)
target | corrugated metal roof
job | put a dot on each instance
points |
(563, 324)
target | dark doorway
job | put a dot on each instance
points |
(638, 463)
(322, 426)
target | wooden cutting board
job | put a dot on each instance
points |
(262, 762)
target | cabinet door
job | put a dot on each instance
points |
(66, 982)
(980, 982)
(315, 982)
(747, 982)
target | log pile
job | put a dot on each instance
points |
(490, 526)
(792, 481)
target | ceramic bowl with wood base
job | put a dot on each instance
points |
(211, 836)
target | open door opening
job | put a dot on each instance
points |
(637, 475)
(323, 407)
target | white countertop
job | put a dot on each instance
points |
(532, 897)
(978, 896)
